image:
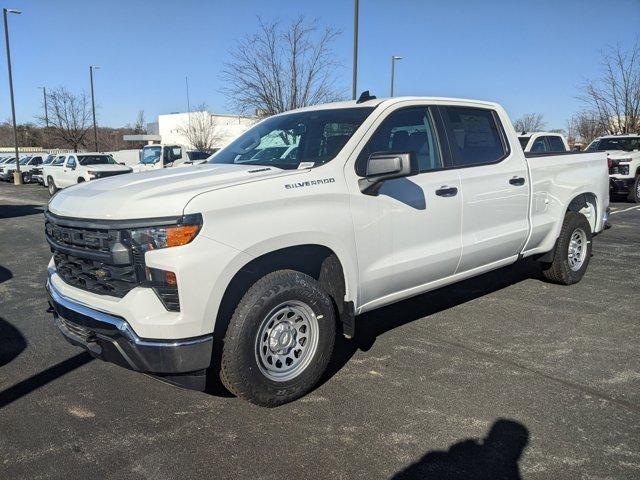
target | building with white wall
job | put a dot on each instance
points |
(226, 127)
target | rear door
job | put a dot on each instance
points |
(494, 186)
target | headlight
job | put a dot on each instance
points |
(92, 173)
(152, 238)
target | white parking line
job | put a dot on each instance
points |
(635, 207)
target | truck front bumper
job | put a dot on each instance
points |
(621, 186)
(110, 338)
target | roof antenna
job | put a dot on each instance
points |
(365, 97)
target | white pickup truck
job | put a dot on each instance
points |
(73, 168)
(250, 267)
(623, 152)
(158, 156)
(543, 142)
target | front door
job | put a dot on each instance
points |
(408, 235)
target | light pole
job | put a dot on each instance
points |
(46, 111)
(93, 106)
(356, 8)
(393, 71)
(17, 177)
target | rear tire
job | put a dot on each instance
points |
(51, 185)
(634, 193)
(279, 340)
(572, 252)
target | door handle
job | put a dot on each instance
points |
(518, 181)
(445, 191)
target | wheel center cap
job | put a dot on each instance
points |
(282, 337)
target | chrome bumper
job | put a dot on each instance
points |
(112, 339)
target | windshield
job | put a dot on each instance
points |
(58, 161)
(49, 159)
(96, 160)
(286, 141)
(614, 143)
(524, 141)
(23, 161)
(150, 154)
(193, 155)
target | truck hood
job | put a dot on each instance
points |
(158, 193)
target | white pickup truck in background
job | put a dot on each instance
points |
(158, 156)
(543, 142)
(74, 168)
(623, 153)
(249, 266)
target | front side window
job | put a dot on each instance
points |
(556, 144)
(539, 145)
(475, 136)
(71, 162)
(96, 160)
(287, 141)
(409, 130)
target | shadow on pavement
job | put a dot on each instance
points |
(375, 323)
(494, 457)
(14, 211)
(12, 342)
(5, 274)
(38, 380)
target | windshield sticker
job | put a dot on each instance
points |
(309, 183)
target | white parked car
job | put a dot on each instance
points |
(28, 165)
(251, 268)
(543, 142)
(82, 167)
(623, 152)
(36, 173)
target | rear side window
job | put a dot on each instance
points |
(539, 145)
(475, 135)
(409, 130)
(556, 144)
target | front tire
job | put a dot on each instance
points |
(51, 185)
(279, 340)
(573, 251)
(26, 177)
(634, 193)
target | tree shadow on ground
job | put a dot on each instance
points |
(377, 322)
(12, 342)
(492, 458)
(15, 211)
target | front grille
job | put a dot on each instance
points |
(86, 257)
(95, 276)
(90, 239)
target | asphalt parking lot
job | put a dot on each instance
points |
(498, 376)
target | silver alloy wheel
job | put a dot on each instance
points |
(577, 249)
(51, 187)
(637, 188)
(287, 340)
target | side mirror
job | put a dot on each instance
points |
(386, 166)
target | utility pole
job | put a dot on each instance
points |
(93, 106)
(356, 8)
(393, 71)
(46, 111)
(17, 177)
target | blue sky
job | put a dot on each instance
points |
(528, 55)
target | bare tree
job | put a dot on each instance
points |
(69, 117)
(278, 69)
(530, 122)
(586, 126)
(200, 130)
(614, 98)
(140, 126)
